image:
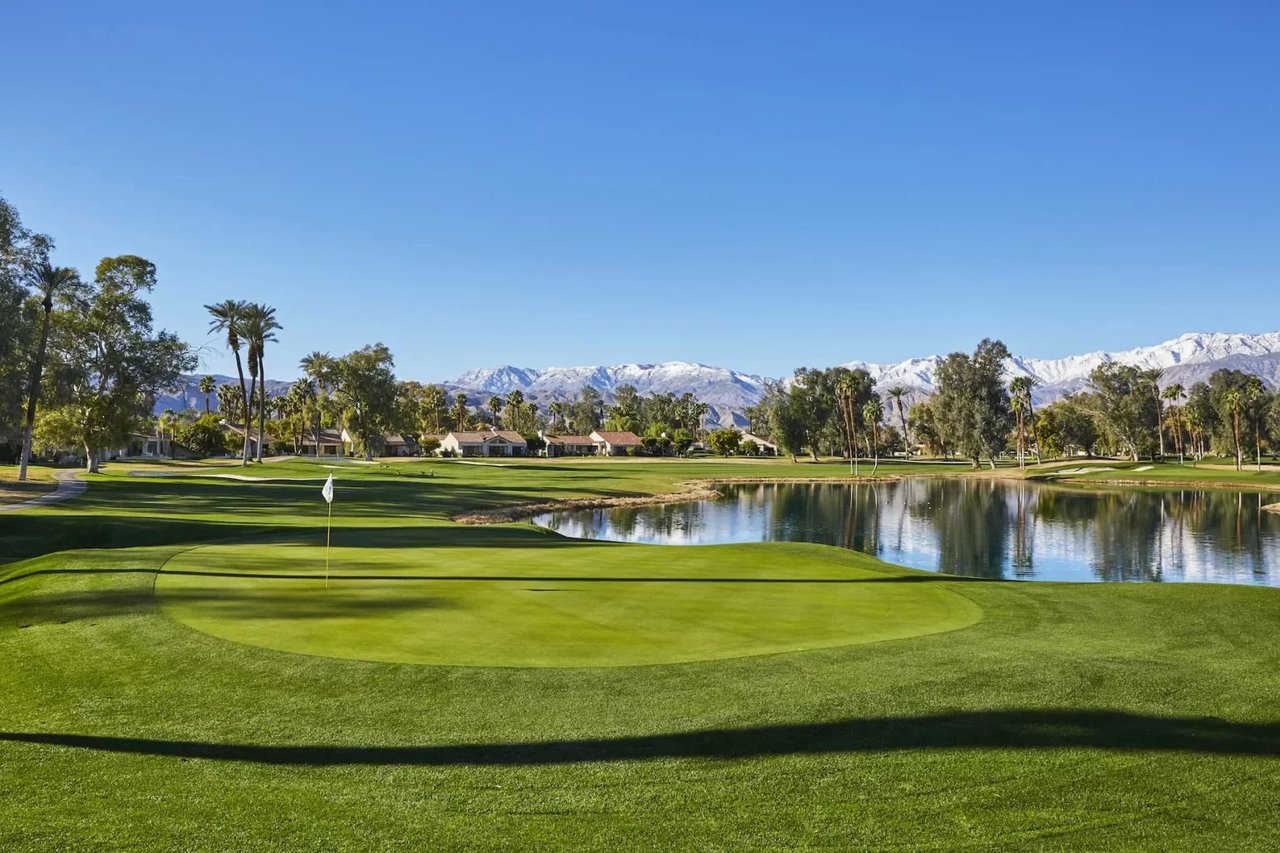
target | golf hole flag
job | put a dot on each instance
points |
(327, 491)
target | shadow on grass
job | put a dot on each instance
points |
(1054, 729)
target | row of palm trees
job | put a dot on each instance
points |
(249, 326)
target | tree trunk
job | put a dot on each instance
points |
(33, 393)
(262, 406)
(91, 459)
(244, 401)
(1235, 426)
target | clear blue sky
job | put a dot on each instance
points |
(752, 185)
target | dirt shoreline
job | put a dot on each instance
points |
(694, 490)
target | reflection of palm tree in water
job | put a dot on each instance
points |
(1022, 560)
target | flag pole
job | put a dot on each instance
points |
(328, 533)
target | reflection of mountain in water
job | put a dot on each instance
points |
(978, 528)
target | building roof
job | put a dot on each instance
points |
(238, 429)
(570, 439)
(396, 438)
(619, 439)
(482, 437)
(327, 436)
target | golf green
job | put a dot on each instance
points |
(566, 607)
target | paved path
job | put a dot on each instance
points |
(69, 486)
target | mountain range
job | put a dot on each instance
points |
(1187, 359)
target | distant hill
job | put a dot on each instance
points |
(188, 396)
(1187, 359)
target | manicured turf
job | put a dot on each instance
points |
(1067, 717)
(548, 603)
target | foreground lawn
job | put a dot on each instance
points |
(175, 675)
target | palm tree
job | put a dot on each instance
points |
(166, 426)
(844, 402)
(1020, 397)
(897, 394)
(1254, 392)
(556, 409)
(1174, 394)
(228, 316)
(318, 367)
(228, 401)
(1233, 399)
(495, 406)
(873, 415)
(207, 386)
(515, 409)
(50, 281)
(1154, 375)
(260, 326)
(460, 412)
(431, 407)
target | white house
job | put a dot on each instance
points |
(767, 447)
(616, 443)
(329, 441)
(491, 443)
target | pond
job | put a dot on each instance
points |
(978, 528)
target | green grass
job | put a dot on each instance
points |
(1065, 717)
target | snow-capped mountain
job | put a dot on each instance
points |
(1188, 359)
(727, 392)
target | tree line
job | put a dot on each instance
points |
(978, 413)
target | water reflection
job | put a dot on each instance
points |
(979, 528)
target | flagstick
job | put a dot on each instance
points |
(328, 533)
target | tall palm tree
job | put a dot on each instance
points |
(1154, 375)
(49, 281)
(495, 406)
(228, 316)
(260, 326)
(873, 415)
(1020, 398)
(207, 386)
(844, 402)
(166, 427)
(1174, 394)
(556, 410)
(318, 367)
(515, 410)
(898, 394)
(1233, 399)
(1254, 393)
(460, 412)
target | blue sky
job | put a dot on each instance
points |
(758, 186)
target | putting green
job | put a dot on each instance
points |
(583, 605)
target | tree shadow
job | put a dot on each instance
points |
(1118, 731)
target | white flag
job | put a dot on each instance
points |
(327, 491)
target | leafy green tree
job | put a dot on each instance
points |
(110, 363)
(973, 403)
(1121, 402)
(365, 387)
(924, 423)
(50, 283)
(1063, 427)
(228, 318)
(682, 440)
(203, 435)
(21, 253)
(724, 441)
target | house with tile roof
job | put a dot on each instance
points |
(616, 443)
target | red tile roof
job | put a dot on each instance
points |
(621, 439)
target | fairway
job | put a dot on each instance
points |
(550, 604)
